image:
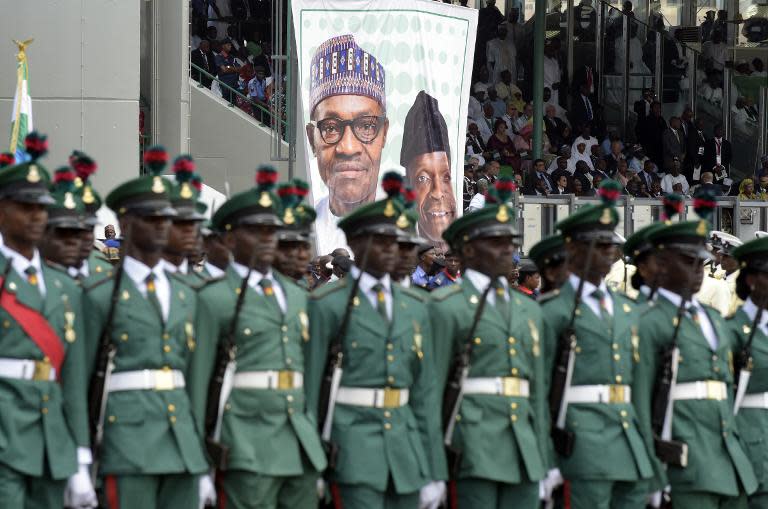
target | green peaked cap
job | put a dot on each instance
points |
(84, 166)
(638, 244)
(409, 219)
(68, 211)
(753, 255)
(28, 181)
(185, 192)
(379, 217)
(298, 216)
(256, 206)
(148, 195)
(594, 221)
(548, 251)
(496, 219)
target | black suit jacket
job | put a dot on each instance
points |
(204, 62)
(579, 114)
(709, 159)
(554, 128)
(694, 141)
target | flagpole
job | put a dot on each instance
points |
(22, 71)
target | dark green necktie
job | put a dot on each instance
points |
(381, 300)
(269, 294)
(152, 295)
(599, 295)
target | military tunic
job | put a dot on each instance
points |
(753, 422)
(385, 454)
(504, 437)
(271, 437)
(609, 450)
(152, 448)
(42, 422)
(717, 464)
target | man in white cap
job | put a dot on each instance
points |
(476, 100)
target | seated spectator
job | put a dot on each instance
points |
(633, 187)
(586, 138)
(747, 190)
(609, 139)
(475, 142)
(525, 121)
(622, 173)
(601, 169)
(614, 156)
(485, 122)
(565, 153)
(638, 159)
(553, 126)
(568, 136)
(678, 189)
(674, 177)
(648, 173)
(539, 183)
(580, 154)
(707, 183)
(476, 100)
(762, 187)
(758, 68)
(499, 106)
(582, 174)
(478, 200)
(578, 188)
(510, 118)
(500, 143)
(561, 184)
(506, 89)
(560, 112)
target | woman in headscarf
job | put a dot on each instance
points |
(580, 154)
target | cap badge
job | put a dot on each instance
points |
(69, 202)
(402, 222)
(88, 197)
(701, 230)
(78, 182)
(33, 175)
(186, 191)
(389, 210)
(265, 201)
(606, 217)
(502, 215)
(288, 217)
(157, 185)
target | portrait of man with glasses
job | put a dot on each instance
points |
(347, 131)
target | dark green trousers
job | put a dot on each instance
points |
(485, 494)
(361, 497)
(758, 501)
(169, 491)
(21, 491)
(704, 500)
(590, 494)
(249, 490)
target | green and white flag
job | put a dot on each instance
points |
(21, 118)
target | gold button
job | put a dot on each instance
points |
(166, 336)
(623, 413)
(615, 346)
(714, 357)
(390, 379)
(228, 407)
(725, 433)
(111, 418)
(512, 352)
(390, 358)
(390, 346)
(514, 371)
(46, 359)
(172, 419)
(716, 369)
(45, 397)
(618, 379)
(290, 411)
(514, 418)
(124, 337)
(289, 398)
(284, 328)
(511, 340)
(478, 341)
(513, 406)
(167, 348)
(387, 414)
(354, 344)
(171, 407)
(387, 425)
(458, 417)
(247, 331)
(166, 368)
(288, 360)
(616, 357)
(12, 286)
(578, 348)
(6, 324)
(45, 410)
(625, 424)
(285, 339)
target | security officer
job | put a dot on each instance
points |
(609, 463)
(718, 473)
(448, 275)
(501, 428)
(185, 225)
(549, 256)
(66, 220)
(152, 453)
(44, 432)
(752, 416)
(90, 260)
(385, 422)
(275, 456)
(294, 247)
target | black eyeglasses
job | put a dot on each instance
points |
(365, 128)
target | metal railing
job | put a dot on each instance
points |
(538, 215)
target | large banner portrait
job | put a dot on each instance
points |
(384, 86)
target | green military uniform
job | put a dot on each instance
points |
(386, 419)
(501, 429)
(549, 256)
(43, 422)
(718, 471)
(152, 450)
(275, 454)
(610, 464)
(752, 416)
(296, 229)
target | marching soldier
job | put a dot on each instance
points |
(500, 426)
(294, 248)
(600, 450)
(44, 431)
(374, 337)
(749, 327)
(275, 456)
(549, 256)
(685, 380)
(408, 243)
(66, 220)
(217, 255)
(150, 450)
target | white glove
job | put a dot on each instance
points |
(547, 485)
(79, 493)
(431, 495)
(207, 491)
(655, 499)
(320, 489)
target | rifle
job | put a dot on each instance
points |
(103, 367)
(671, 452)
(743, 366)
(329, 386)
(220, 384)
(562, 372)
(454, 389)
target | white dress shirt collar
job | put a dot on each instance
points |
(182, 268)
(586, 294)
(705, 324)
(367, 282)
(750, 308)
(481, 281)
(138, 273)
(20, 264)
(213, 270)
(256, 278)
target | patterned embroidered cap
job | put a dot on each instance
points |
(341, 67)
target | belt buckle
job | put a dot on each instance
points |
(511, 386)
(42, 371)
(616, 394)
(714, 390)
(285, 380)
(164, 380)
(391, 398)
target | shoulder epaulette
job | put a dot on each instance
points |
(419, 295)
(548, 295)
(444, 292)
(186, 280)
(56, 266)
(327, 289)
(89, 284)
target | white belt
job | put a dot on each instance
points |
(146, 379)
(500, 385)
(23, 369)
(759, 400)
(376, 398)
(599, 394)
(268, 380)
(703, 389)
